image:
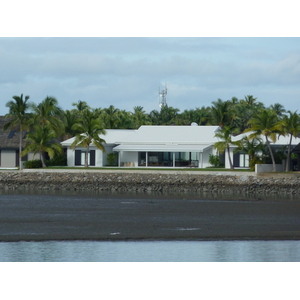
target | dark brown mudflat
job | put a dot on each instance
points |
(42, 217)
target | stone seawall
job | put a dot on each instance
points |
(210, 182)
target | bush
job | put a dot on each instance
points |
(31, 164)
(214, 160)
(112, 159)
(57, 160)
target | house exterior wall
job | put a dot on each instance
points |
(31, 156)
(71, 156)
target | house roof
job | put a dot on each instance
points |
(172, 134)
(169, 139)
(281, 140)
(9, 139)
(110, 137)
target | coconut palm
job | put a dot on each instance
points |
(265, 123)
(48, 114)
(89, 130)
(252, 147)
(290, 126)
(278, 109)
(110, 117)
(139, 117)
(69, 118)
(225, 135)
(223, 113)
(80, 105)
(41, 140)
(18, 117)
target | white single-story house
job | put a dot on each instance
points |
(163, 146)
(151, 146)
(168, 146)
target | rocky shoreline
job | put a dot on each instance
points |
(152, 181)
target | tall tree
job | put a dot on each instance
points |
(139, 117)
(252, 147)
(265, 123)
(278, 109)
(225, 135)
(80, 105)
(18, 117)
(41, 140)
(110, 117)
(290, 126)
(223, 113)
(89, 130)
(48, 114)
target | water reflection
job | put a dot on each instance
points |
(151, 251)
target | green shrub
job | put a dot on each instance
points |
(31, 164)
(112, 159)
(57, 160)
(214, 160)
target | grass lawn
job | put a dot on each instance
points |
(158, 169)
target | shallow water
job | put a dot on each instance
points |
(151, 251)
(32, 214)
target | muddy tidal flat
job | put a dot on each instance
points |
(106, 216)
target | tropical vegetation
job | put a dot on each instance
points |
(47, 124)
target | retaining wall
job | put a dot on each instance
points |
(160, 181)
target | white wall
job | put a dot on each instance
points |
(264, 168)
(70, 157)
(31, 156)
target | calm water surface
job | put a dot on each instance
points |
(151, 251)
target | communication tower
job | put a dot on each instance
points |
(162, 96)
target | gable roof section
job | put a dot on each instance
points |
(172, 134)
(110, 137)
(9, 139)
(169, 139)
(281, 140)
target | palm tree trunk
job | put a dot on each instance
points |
(42, 159)
(87, 157)
(20, 149)
(230, 162)
(288, 160)
(271, 153)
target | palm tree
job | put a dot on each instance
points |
(125, 119)
(111, 117)
(41, 140)
(90, 129)
(265, 122)
(278, 109)
(69, 119)
(18, 117)
(80, 105)
(222, 113)
(139, 117)
(290, 126)
(251, 147)
(48, 114)
(225, 142)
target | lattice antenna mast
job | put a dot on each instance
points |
(162, 96)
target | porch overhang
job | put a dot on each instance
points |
(163, 148)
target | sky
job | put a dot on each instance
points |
(127, 68)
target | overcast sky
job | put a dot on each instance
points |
(126, 58)
(127, 72)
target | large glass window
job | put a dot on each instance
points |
(165, 159)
